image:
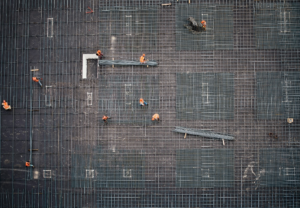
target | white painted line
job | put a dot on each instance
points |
(84, 63)
(50, 27)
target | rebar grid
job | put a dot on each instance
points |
(132, 161)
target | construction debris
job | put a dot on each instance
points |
(125, 63)
(202, 133)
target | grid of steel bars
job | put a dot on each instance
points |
(63, 121)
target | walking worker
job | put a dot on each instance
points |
(36, 79)
(142, 102)
(5, 105)
(155, 117)
(104, 118)
(27, 164)
(203, 22)
(142, 59)
(99, 54)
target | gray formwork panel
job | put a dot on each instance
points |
(119, 98)
(276, 25)
(205, 96)
(219, 30)
(108, 169)
(279, 167)
(128, 28)
(205, 168)
(278, 95)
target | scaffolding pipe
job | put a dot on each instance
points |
(126, 63)
(202, 133)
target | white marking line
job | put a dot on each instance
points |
(84, 63)
(36, 174)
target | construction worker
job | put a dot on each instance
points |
(155, 117)
(203, 22)
(99, 54)
(142, 59)
(104, 118)
(27, 164)
(5, 105)
(36, 79)
(142, 102)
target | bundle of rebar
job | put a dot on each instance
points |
(203, 133)
(126, 63)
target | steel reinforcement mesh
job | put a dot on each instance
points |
(100, 168)
(119, 98)
(278, 95)
(241, 81)
(204, 168)
(219, 29)
(277, 25)
(279, 168)
(128, 28)
(205, 96)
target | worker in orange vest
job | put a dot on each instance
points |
(5, 105)
(155, 117)
(99, 54)
(142, 59)
(203, 22)
(27, 164)
(36, 79)
(142, 102)
(104, 118)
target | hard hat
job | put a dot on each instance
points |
(143, 54)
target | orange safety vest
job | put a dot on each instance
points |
(27, 164)
(155, 117)
(98, 53)
(104, 118)
(142, 101)
(142, 59)
(5, 105)
(203, 24)
(35, 79)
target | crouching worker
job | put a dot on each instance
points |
(104, 118)
(27, 164)
(142, 59)
(5, 105)
(203, 22)
(155, 117)
(38, 80)
(99, 54)
(142, 102)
